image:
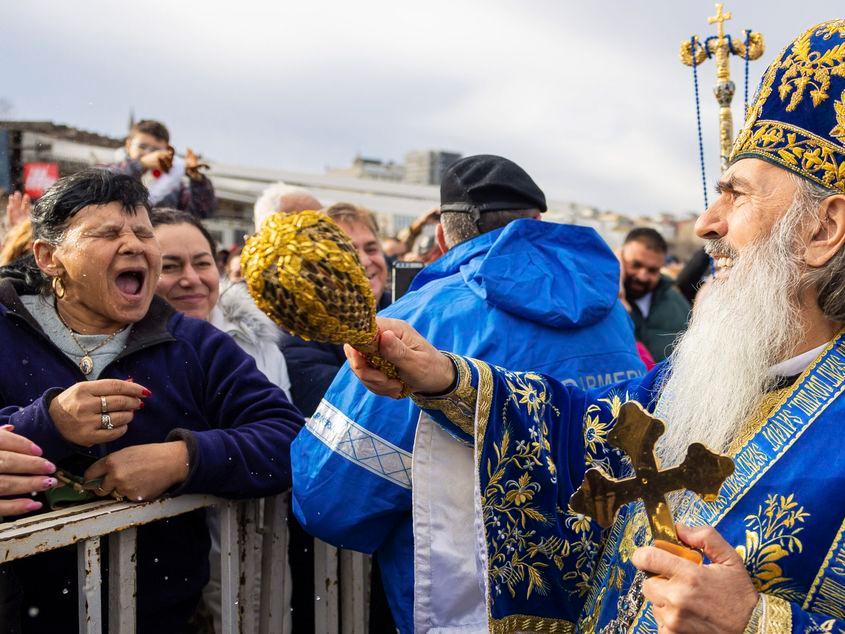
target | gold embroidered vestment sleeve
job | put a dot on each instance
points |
(459, 404)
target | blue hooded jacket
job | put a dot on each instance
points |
(531, 296)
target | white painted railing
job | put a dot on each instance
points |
(253, 548)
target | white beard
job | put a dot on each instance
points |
(742, 326)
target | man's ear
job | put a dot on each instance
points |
(45, 258)
(829, 237)
(440, 238)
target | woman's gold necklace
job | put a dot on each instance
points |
(86, 363)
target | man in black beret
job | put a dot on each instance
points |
(508, 289)
(482, 193)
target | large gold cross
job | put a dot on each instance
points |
(636, 433)
(720, 18)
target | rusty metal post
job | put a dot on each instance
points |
(122, 581)
(326, 609)
(354, 592)
(89, 580)
(274, 569)
(230, 568)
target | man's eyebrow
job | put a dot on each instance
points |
(165, 256)
(733, 183)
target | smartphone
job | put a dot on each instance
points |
(402, 276)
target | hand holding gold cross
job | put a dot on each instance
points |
(636, 433)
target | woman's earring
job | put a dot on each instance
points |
(58, 287)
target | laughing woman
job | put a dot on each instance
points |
(100, 371)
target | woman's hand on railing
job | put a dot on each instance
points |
(22, 471)
(141, 472)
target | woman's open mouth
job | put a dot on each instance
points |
(131, 282)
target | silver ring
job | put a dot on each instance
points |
(104, 406)
(105, 422)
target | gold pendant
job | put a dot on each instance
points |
(86, 364)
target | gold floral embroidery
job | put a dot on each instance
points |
(526, 623)
(838, 131)
(772, 535)
(516, 554)
(807, 68)
(834, 27)
(596, 428)
(459, 404)
(520, 560)
(777, 615)
(797, 149)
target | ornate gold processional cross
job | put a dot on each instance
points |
(636, 433)
(721, 46)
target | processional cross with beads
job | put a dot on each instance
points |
(722, 46)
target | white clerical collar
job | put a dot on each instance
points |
(796, 365)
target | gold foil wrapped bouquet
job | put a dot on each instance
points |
(303, 271)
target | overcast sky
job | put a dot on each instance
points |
(588, 96)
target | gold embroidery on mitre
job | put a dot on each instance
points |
(796, 149)
(808, 68)
(838, 131)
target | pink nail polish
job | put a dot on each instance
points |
(8, 428)
(49, 467)
(32, 505)
(49, 483)
(36, 450)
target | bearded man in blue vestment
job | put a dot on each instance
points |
(759, 375)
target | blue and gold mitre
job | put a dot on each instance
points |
(797, 118)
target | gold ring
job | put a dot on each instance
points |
(100, 490)
(104, 406)
(105, 422)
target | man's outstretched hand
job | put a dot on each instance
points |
(718, 597)
(422, 368)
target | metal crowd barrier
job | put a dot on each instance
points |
(253, 547)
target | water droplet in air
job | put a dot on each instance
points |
(33, 612)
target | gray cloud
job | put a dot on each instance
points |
(588, 96)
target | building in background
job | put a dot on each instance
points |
(376, 169)
(371, 183)
(426, 167)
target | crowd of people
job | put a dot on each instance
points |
(137, 362)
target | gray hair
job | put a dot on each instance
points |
(828, 280)
(272, 199)
(460, 227)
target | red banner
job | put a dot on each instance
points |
(37, 177)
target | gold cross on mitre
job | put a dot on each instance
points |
(636, 433)
(720, 18)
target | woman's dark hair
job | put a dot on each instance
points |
(168, 216)
(69, 195)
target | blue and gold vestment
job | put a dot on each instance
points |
(550, 570)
